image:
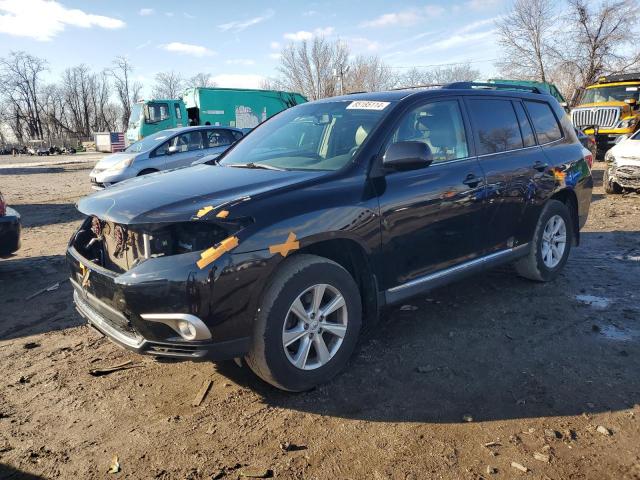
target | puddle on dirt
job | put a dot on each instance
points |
(618, 334)
(597, 302)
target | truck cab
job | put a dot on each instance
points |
(609, 109)
(151, 116)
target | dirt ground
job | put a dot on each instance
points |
(458, 384)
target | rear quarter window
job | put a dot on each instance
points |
(544, 121)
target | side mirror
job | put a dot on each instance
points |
(407, 156)
(172, 149)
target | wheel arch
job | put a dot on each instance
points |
(570, 199)
(349, 254)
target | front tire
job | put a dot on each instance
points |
(307, 325)
(550, 245)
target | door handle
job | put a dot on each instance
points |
(471, 180)
(540, 166)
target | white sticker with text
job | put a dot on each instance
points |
(367, 105)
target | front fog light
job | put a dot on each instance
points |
(187, 330)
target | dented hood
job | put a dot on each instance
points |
(177, 195)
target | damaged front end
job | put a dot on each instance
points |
(623, 172)
(146, 286)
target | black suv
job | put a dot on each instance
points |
(296, 237)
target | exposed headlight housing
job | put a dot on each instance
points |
(608, 157)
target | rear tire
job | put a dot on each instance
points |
(549, 252)
(610, 186)
(287, 311)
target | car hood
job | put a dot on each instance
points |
(110, 160)
(177, 195)
(627, 152)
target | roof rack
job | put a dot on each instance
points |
(491, 86)
(415, 87)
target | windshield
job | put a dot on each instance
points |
(147, 143)
(136, 113)
(618, 93)
(312, 136)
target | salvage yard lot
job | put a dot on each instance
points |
(459, 383)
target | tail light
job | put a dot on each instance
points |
(589, 159)
(3, 206)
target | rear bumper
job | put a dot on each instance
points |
(10, 229)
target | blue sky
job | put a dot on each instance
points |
(238, 42)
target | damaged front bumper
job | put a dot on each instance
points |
(625, 175)
(117, 307)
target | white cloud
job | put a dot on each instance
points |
(188, 49)
(143, 45)
(240, 25)
(231, 80)
(169, 14)
(188, 15)
(363, 44)
(482, 4)
(275, 56)
(275, 45)
(458, 39)
(144, 12)
(309, 13)
(404, 18)
(246, 62)
(470, 27)
(306, 35)
(42, 20)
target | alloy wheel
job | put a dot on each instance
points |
(554, 241)
(315, 327)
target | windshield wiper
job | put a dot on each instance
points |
(255, 165)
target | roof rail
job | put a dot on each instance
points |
(415, 87)
(491, 86)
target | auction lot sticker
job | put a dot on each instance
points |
(367, 105)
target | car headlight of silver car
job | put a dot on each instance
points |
(122, 164)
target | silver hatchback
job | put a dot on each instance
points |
(172, 148)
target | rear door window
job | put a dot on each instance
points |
(544, 121)
(219, 138)
(528, 138)
(496, 125)
(192, 141)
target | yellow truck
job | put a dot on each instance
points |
(609, 109)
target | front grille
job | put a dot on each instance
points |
(93, 307)
(603, 117)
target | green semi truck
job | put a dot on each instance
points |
(231, 107)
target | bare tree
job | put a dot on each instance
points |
(438, 76)
(369, 74)
(525, 35)
(202, 80)
(308, 68)
(168, 85)
(21, 80)
(126, 88)
(603, 39)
